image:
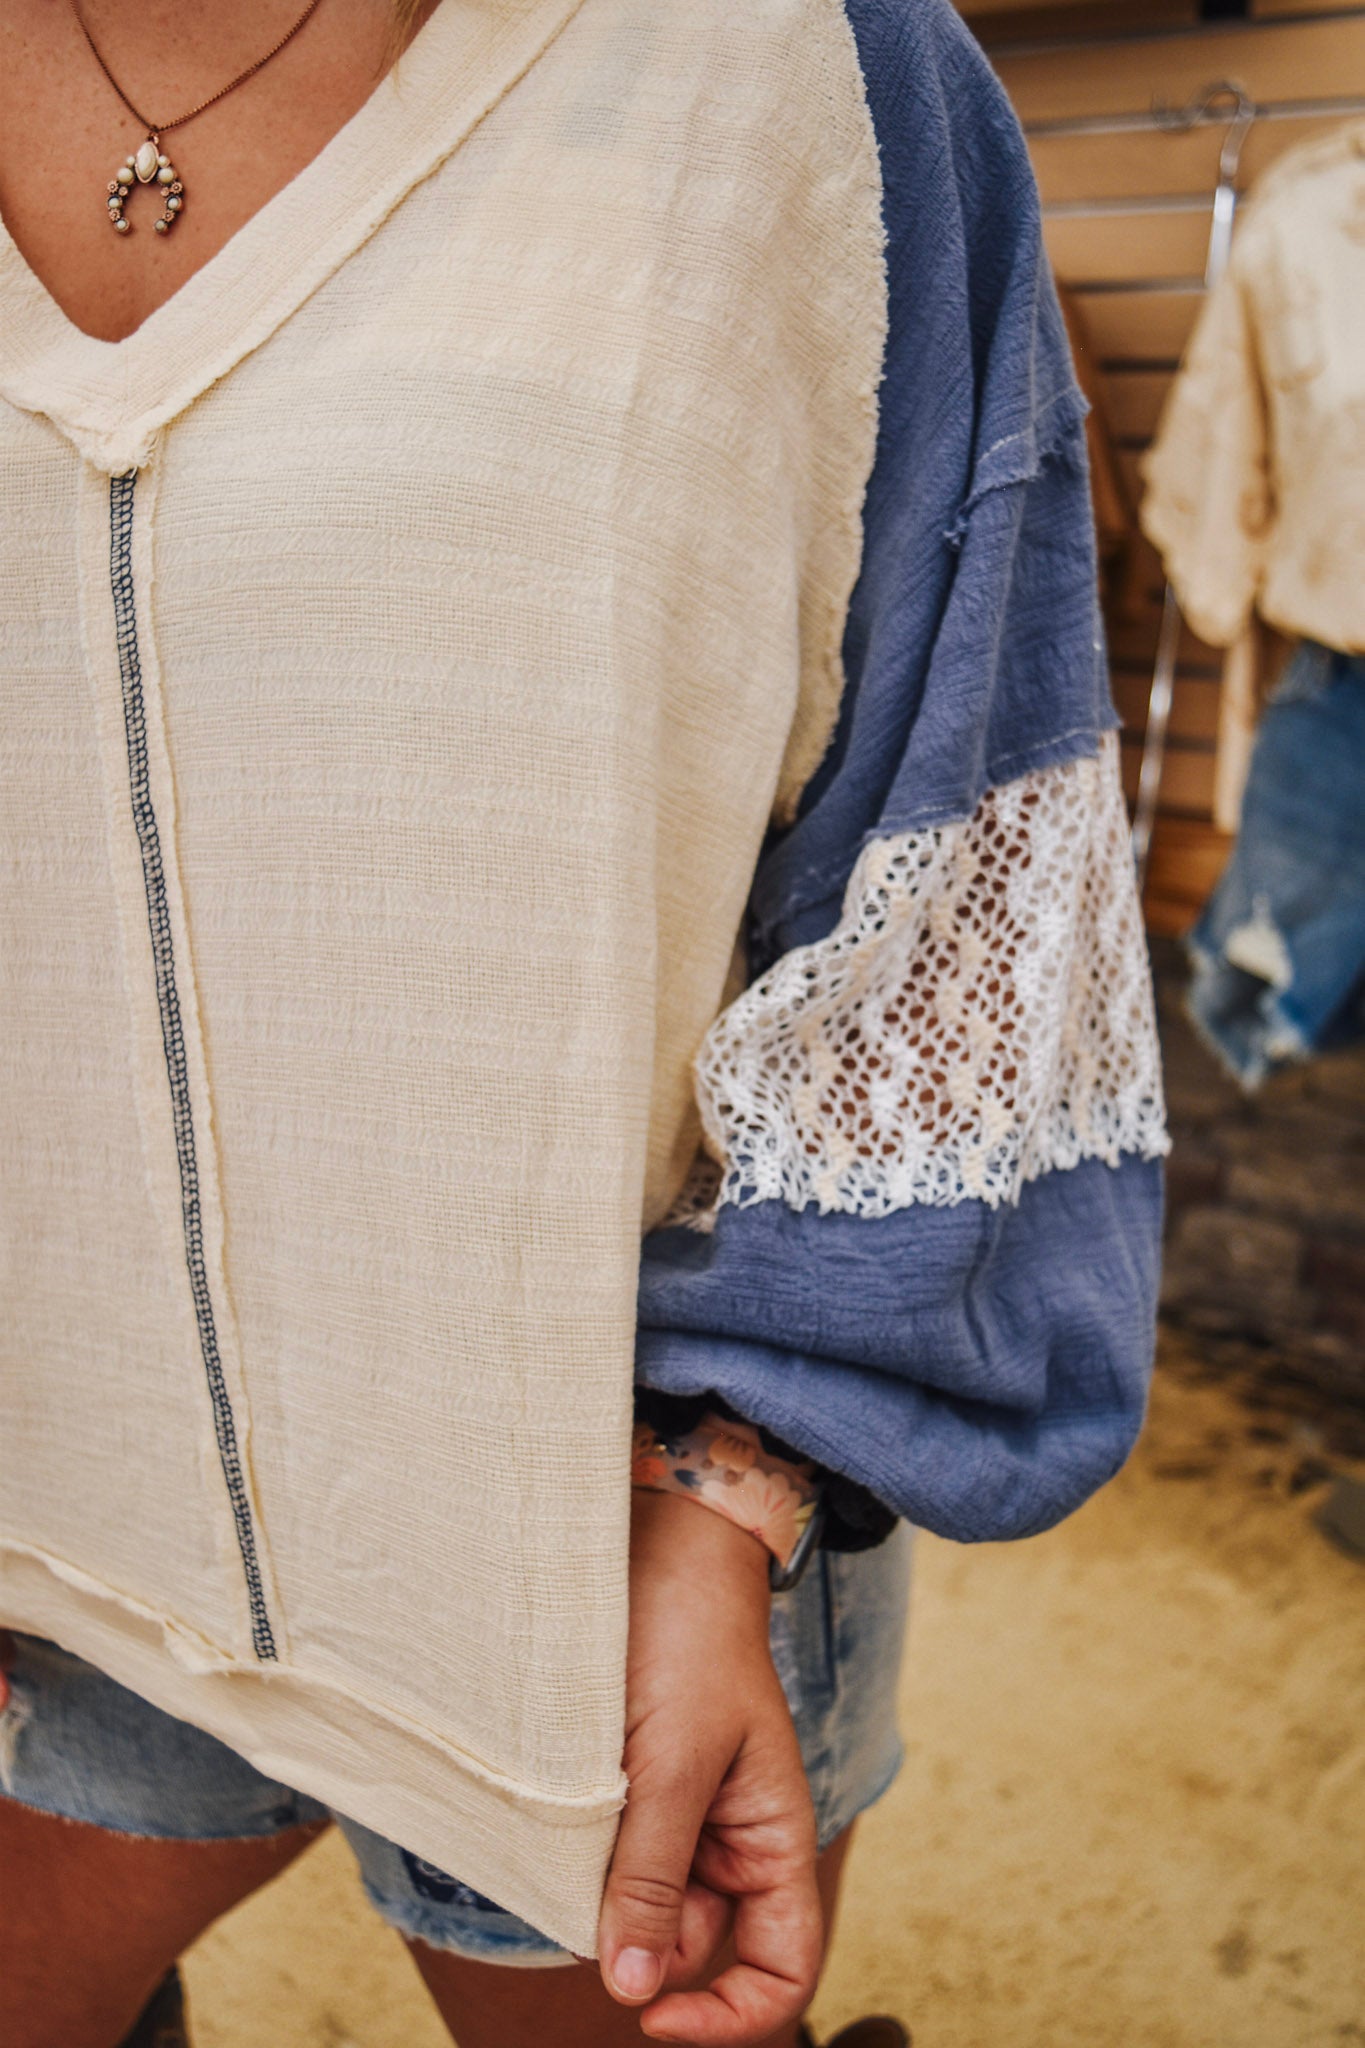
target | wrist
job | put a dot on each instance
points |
(676, 1538)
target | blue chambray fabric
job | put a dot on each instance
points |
(979, 1370)
(974, 648)
(982, 1371)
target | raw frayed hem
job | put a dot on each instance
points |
(515, 1951)
(846, 1811)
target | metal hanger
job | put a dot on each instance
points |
(1200, 109)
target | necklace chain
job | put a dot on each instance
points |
(156, 128)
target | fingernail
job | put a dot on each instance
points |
(636, 1973)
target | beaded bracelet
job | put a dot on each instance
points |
(724, 1466)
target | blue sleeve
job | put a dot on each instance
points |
(978, 1365)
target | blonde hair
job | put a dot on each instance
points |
(402, 17)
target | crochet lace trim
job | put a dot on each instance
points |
(981, 1015)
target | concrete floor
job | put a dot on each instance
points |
(1133, 1814)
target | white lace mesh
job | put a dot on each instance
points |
(981, 1014)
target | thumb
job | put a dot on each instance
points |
(642, 1906)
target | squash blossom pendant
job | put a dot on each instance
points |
(144, 167)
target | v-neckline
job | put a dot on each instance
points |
(110, 397)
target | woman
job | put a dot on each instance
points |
(550, 613)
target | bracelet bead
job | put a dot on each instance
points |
(725, 1467)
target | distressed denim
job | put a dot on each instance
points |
(75, 1743)
(1279, 952)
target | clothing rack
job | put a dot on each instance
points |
(1128, 214)
(1337, 106)
(1168, 640)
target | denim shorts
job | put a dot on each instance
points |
(74, 1743)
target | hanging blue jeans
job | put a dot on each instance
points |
(1279, 952)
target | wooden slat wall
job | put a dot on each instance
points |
(1302, 60)
(1274, 10)
(1112, 248)
(997, 7)
(1134, 399)
(1194, 719)
(1127, 216)
(1147, 325)
(1120, 163)
(1022, 20)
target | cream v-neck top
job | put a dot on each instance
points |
(408, 634)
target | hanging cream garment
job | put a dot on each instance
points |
(408, 633)
(1255, 485)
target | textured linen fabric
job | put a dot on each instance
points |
(1256, 481)
(409, 633)
(421, 638)
(75, 1743)
(936, 1114)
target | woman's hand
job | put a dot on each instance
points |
(718, 1827)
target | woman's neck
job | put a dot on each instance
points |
(231, 160)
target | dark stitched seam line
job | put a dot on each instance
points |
(173, 1040)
